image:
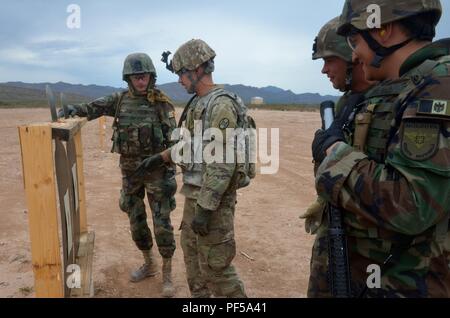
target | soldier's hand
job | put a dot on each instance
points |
(169, 184)
(149, 164)
(71, 112)
(323, 139)
(313, 216)
(201, 220)
(61, 113)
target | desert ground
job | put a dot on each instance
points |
(273, 250)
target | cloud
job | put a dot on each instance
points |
(258, 43)
(18, 55)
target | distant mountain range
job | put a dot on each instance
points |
(19, 91)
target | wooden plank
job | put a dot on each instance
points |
(39, 183)
(81, 184)
(73, 191)
(102, 129)
(85, 261)
(66, 129)
(65, 208)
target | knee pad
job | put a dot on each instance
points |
(127, 202)
(221, 255)
(161, 209)
(124, 202)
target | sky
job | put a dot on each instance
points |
(258, 43)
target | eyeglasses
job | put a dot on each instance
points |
(182, 72)
(140, 77)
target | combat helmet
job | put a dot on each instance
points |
(357, 13)
(193, 54)
(328, 43)
(138, 63)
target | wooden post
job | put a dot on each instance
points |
(102, 127)
(81, 184)
(39, 182)
(84, 260)
(38, 164)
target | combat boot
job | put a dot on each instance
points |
(168, 290)
(149, 269)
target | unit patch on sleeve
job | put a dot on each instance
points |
(420, 140)
(224, 123)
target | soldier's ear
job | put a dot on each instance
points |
(384, 34)
(209, 67)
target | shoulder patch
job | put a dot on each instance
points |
(224, 123)
(420, 140)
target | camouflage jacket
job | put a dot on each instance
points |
(396, 193)
(143, 124)
(208, 182)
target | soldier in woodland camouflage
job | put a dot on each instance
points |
(207, 236)
(144, 119)
(391, 179)
(347, 76)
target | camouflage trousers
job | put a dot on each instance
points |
(160, 187)
(447, 248)
(208, 259)
(318, 286)
(403, 277)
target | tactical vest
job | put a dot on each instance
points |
(193, 171)
(377, 121)
(373, 123)
(138, 130)
(380, 116)
(343, 100)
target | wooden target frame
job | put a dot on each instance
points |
(52, 162)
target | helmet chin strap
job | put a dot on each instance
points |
(381, 52)
(194, 82)
(131, 88)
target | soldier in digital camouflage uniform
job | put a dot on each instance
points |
(392, 179)
(347, 76)
(144, 119)
(207, 236)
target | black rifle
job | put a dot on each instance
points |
(338, 265)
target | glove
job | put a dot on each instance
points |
(201, 221)
(149, 164)
(313, 216)
(323, 140)
(72, 112)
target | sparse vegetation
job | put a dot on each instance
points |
(26, 290)
(291, 107)
(23, 104)
(31, 103)
(22, 95)
(279, 107)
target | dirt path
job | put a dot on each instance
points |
(267, 225)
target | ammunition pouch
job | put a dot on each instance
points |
(134, 140)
